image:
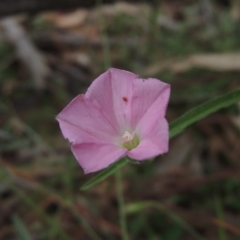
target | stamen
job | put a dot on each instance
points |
(126, 137)
(129, 141)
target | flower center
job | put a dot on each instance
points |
(129, 141)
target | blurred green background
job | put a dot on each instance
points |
(48, 58)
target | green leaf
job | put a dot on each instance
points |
(21, 229)
(202, 111)
(176, 127)
(105, 173)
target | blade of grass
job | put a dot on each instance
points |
(105, 173)
(203, 110)
(219, 212)
(105, 38)
(140, 206)
(21, 229)
(53, 224)
(62, 199)
(176, 127)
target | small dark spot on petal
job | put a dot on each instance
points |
(124, 99)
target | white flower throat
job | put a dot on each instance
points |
(129, 141)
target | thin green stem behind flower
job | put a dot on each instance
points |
(121, 206)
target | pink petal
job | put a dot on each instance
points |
(81, 121)
(154, 134)
(116, 102)
(112, 93)
(150, 97)
(94, 156)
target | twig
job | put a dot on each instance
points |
(26, 51)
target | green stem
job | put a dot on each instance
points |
(122, 213)
(104, 35)
(219, 212)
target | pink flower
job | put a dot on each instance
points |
(119, 115)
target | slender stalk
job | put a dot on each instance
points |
(219, 212)
(122, 215)
(105, 38)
